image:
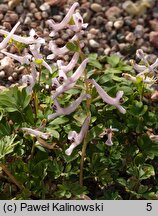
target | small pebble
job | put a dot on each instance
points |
(15, 75)
(3, 8)
(94, 31)
(139, 31)
(10, 78)
(45, 7)
(93, 43)
(153, 38)
(96, 7)
(118, 24)
(13, 3)
(154, 25)
(38, 15)
(14, 18)
(57, 18)
(113, 11)
(90, 36)
(107, 51)
(19, 9)
(32, 6)
(44, 14)
(2, 74)
(109, 26)
(1, 16)
(130, 37)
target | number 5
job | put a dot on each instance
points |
(149, 206)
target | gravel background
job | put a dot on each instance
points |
(115, 26)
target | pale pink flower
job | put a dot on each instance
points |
(147, 68)
(29, 81)
(55, 83)
(71, 81)
(33, 38)
(66, 111)
(79, 25)
(145, 79)
(77, 138)
(36, 133)
(70, 65)
(35, 50)
(22, 59)
(5, 41)
(109, 132)
(109, 100)
(56, 51)
(58, 26)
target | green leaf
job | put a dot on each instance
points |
(95, 132)
(73, 46)
(7, 145)
(113, 60)
(138, 109)
(28, 115)
(146, 171)
(5, 129)
(59, 120)
(93, 61)
(142, 189)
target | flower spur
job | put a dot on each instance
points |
(5, 41)
(108, 99)
(66, 111)
(32, 39)
(71, 81)
(59, 26)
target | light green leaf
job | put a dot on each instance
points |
(7, 145)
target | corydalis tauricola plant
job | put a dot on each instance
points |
(145, 71)
(63, 82)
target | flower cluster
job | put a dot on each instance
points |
(146, 71)
(63, 82)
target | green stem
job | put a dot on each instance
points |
(35, 103)
(84, 147)
(85, 143)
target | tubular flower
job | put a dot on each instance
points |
(148, 80)
(3, 44)
(32, 39)
(36, 133)
(35, 50)
(58, 26)
(29, 81)
(55, 83)
(109, 100)
(56, 51)
(71, 81)
(140, 54)
(147, 68)
(63, 69)
(77, 138)
(70, 66)
(79, 25)
(22, 59)
(142, 69)
(109, 132)
(66, 111)
(60, 51)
